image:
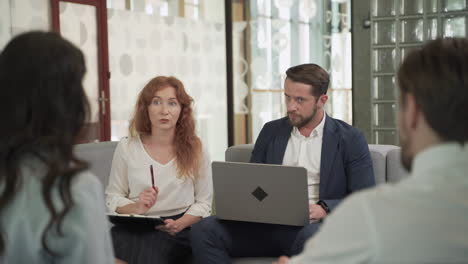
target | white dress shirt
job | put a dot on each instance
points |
(130, 175)
(421, 219)
(306, 152)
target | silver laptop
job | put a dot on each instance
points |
(262, 193)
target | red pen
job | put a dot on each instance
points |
(152, 178)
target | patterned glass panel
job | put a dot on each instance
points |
(384, 88)
(385, 137)
(430, 6)
(383, 8)
(454, 27)
(341, 103)
(384, 32)
(384, 115)
(264, 7)
(453, 5)
(431, 29)
(415, 21)
(412, 30)
(411, 7)
(384, 60)
(284, 33)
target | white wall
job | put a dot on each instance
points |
(5, 26)
(29, 15)
(17, 16)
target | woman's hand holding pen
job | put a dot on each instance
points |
(146, 199)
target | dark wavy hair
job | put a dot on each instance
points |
(43, 107)
(437, 76)
(187, 144)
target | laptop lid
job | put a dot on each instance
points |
(262, 193)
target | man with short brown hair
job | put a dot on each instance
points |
(424, 218)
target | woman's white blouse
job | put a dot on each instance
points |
(130, 175)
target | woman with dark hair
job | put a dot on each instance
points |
(51, 208)
(162, 137)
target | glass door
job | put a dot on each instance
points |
(84, 23)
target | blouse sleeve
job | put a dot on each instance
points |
(117, 190)
(203, 190)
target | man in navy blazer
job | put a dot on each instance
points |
(345, 167)
(335, 155)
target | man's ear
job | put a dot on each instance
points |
(322, 100)
(411, 111)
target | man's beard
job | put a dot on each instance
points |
(302, 120)
(406, 157)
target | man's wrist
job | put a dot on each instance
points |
(324, 206)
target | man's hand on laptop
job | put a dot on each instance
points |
(316, 212)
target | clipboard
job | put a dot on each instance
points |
(135, 220)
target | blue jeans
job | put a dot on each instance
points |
(216, 241)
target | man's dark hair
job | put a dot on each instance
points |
(437, 76)
(43, 108)
(310, 74)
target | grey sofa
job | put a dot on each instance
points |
(385, 158)
(99, 155)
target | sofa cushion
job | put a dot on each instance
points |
(242, 153)
(395, 170)
(99, 155)
(378, 155)
(239, 153)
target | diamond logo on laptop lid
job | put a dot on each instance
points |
(259, 193)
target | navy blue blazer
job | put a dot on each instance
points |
(346, 164)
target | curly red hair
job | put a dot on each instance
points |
(187, 144)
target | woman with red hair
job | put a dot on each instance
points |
(162, 136)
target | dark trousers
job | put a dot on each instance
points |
(145, 245)
(216, 241)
